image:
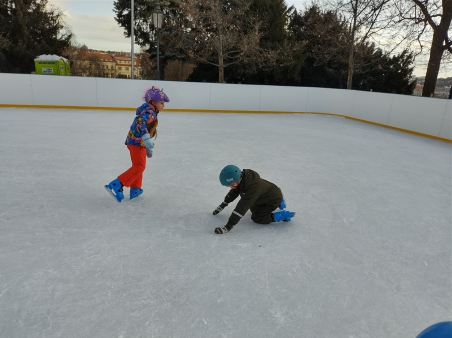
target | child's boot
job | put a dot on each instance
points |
(115, 190)
(282, 206)
(284, 216)
(135, 192)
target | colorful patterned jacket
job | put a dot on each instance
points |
(145, 121)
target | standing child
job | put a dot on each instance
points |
(139, 143)
(256, 194)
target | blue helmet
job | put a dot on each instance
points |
(230, 174)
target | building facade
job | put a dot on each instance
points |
(101, 64)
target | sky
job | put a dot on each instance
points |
(368, 253)
(92, 22)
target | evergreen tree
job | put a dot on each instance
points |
(324, 36)
(29, 28)
(385, 73)
(327, 63)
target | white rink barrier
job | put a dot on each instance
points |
(419, 115)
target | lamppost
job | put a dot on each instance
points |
(131, 36)
(157, 20)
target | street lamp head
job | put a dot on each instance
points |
(157, 16)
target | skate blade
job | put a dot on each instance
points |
(111, 193)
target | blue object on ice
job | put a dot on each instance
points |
(282, 206)
(135, 192)
(438, 330)
(115, 189)
(284, 215)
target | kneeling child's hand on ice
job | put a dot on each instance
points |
(224, 229)
(219, 208)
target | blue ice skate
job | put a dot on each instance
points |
(284, 216)
(114, 188)
(135, 192)
(282, 206)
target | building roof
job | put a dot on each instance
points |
(105, 57)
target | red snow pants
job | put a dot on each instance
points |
(134, 175)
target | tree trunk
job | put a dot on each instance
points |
(351, 56)
(220, 45)
(351, 64)
(162, 68)
(437, 50)
(434, 62)
(220, 69)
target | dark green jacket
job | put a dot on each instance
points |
(253, 191)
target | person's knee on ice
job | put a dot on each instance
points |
(262, 214)
(262, 220)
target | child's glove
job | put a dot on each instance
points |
(147, 141)
(224, 229)
(220, 208)
(149, 152)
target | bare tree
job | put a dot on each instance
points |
(221, 33)
(85, 62)
(148, 66)
(91, 66)
(426, 23)
(178, 71)
(72, 53)
(365, 22)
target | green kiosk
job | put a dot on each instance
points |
(52, 65)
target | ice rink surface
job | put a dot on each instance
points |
(369, 253)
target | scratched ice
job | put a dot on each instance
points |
(368, 254)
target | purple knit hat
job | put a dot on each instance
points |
(154, 93)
